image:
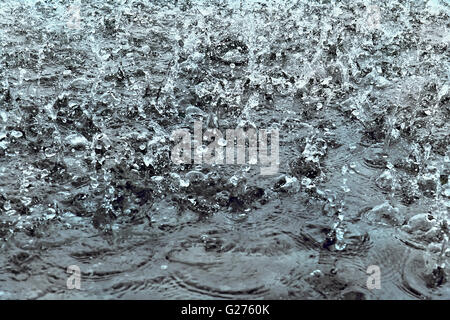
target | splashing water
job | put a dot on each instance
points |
(91, 92)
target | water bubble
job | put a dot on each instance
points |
(234, 180)
(195, 176)
(4, 115)
(201, 149)
(7, 205)
(148, 160)
(222, 142)
(344, 170)
(157, 178)
(316, 273)
(16, 134)
(49, 152)
(77, 140)
(446, 192)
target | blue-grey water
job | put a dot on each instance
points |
(90, 92)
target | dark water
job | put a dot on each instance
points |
(91, 91)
